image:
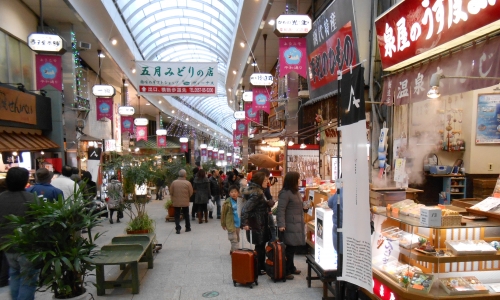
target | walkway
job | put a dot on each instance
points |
(191, 264)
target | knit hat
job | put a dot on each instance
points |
(43, 175)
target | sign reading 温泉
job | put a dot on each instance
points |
(413, 84)
(251, 114)
(48, 71)
(414, 30)
(261, 99)
(293, 56)
(177, 78)
(292, 25)
(356, 264)
(331, 46)
(41, 42)
(17, 106)
(104, 108)
(127, 124)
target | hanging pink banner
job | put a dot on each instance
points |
(236, 161)
(412, 85)
(48, 71)
(184, 147)
(209, 154)
(221, 156)
(261, 99)
(161, 141)
(104, 108)
(229, 159)
(204, 152)
(127, 124)
(241, 128)
(293, 56)
(251, 115)
(237, 139)
(141, 133)
(215, 155)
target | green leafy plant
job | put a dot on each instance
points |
(143, 222)
(50, 235)
(168, 204)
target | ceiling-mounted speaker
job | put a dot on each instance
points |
(84, 45)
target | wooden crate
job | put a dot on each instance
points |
(483, 188)
(465, 202)
(382, 198)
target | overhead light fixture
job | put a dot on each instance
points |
(249, 60)
(271, 22)
(303, 146)
(148, 103)
(42, 153)
(262, 24)
(290, 143)
(161, 132)
(114, 42)
(173, 111)
(229, 90)
(159, 101)
(230, 101)
(169, 117)
(242, 44)
(187, 118)
(125, 83)
(434, 93)
(100, 54)
(133, 71)
(137, 149)
(234, 72)
(198, 124)
(14, 153)
(254, 64)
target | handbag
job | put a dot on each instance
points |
(210, 205)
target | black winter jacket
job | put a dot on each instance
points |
(254, 214)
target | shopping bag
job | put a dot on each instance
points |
(210, 205)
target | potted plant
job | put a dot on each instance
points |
(170, 208)
(50, 235)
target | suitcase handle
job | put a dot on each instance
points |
(245, 238)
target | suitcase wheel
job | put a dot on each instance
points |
(234, 283)
(256, 282)
(284, 279)
(251, 286)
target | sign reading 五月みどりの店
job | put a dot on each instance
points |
(17, 106)
(414, 30)
(177, 78)
(331, 46)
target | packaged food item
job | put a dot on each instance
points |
(463, 285)
(421, 283)
(466, 247)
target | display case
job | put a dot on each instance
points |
(413, 261)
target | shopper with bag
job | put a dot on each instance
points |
(115, 199)
(290, 219)
(202, 189)
(216, 190)
(254, 216)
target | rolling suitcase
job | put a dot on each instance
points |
(244, 265)
(276, 260)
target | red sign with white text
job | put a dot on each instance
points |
(414, 27)
(336, 53)
(382, 291)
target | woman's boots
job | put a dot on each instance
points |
(206, 216)
(200, 217)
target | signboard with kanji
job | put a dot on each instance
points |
(177, 78)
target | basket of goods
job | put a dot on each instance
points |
(450, 218)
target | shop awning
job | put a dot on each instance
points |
(21, 141)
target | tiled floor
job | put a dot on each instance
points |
(191, 264)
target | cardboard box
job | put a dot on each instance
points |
(430, 216)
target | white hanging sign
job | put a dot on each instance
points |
(247, 96)
(103, 90)
(239, 115)
(45, 42)
(293, 24)
(261, 79)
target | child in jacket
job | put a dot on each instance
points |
(230, 219)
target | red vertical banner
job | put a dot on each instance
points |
(48, 71)
(209, 154)
(260, 100)
(104, 108)
(127, 124)
(293, 56)
(250, 114)
(141, 133)
(229, 159)
(221, 156)
(241, 128)
(203, 152)
(161, 141)
(215, 155)
(184, 147)
(237, 138)
(236, 161)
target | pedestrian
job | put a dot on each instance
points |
(115, 199)
(229, 181)
(290, 219)
(65, 183)
(160, 185)
(180, 192)
(269, 198)
(216, 190)
(254, 216)
(230, 220)
(202, 187)
(194, 209)
(15, 201)
(75, 175)
(90, 187)
(43, 189)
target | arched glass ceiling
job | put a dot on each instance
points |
(187, 30)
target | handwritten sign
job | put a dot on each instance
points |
(17, 106)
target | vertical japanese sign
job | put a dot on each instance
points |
(356, 265)
(184, 147)
(141, 133)
(127, 124)
(414, 29)
(177, 78)
(293, 56)
(261, 99)
(331, 46)
(104, 108)
(48, 71)
(250, 114)
(161, 141)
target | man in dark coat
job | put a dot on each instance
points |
(216, 190)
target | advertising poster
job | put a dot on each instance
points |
(356, 264)
(48, 71)
(104, 108)
(293, 56)
(261, 99)
(127, 124)
(251, 115)
(488, 119)
(161, 141)
(141, 133)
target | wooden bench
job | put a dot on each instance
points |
(126, 251)
(326, 276)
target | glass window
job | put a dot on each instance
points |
(15, 69)
(4, 68)
(27, 66)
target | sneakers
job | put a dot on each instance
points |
(188, 229)
(289, 277)
(178, 231)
